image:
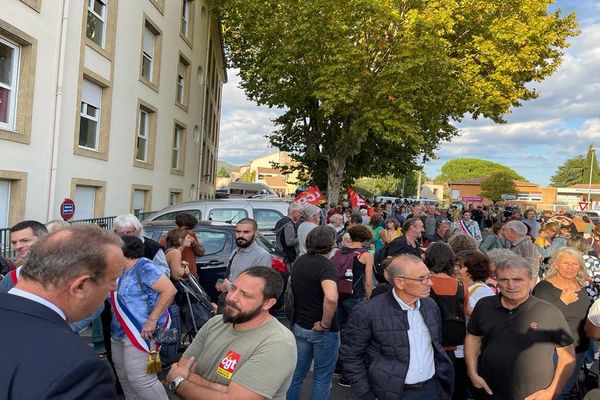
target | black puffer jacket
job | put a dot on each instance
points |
(375, 351)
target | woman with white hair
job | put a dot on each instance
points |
(563, 287)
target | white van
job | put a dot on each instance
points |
(246, 190)
(266, 213)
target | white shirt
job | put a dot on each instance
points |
(37, 299)
(303, 231)
(420, 366)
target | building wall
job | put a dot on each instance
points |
(41, 155)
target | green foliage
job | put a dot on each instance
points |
(248, 176)
(576, 170)
(497, 184)
(225, 169)
(469, 168)
(223, 173)
(371, 87)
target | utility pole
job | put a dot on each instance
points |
(591, 174)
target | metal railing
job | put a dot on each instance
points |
(104, 222)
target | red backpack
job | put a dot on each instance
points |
(344, 261)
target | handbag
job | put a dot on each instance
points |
(161, 335)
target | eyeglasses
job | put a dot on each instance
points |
(423, 279)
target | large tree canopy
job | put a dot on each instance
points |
(577, 170)
(498, 184)
(372, 86)
(468, 168)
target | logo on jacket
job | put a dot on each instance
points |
(228, 364)
(533, 325)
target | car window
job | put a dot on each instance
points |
(231, 215)
(265, 244)
(171, 215)
(267, 219)
(213, 242)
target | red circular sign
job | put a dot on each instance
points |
(67, 209)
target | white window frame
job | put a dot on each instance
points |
(143, 134)
(148, 47)
(101, 17)
(5, 187)
(12, 86)
(176, 148)
(185, 18)
(181, 81)
(81, 207)
(87, 99)
(137, 196)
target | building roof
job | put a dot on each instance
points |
(275, 181)
(585, 186)
(266, 170)
(479, 181)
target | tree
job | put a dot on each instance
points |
(469, 168)
(248, 176)
(577, 170)
(371, 84)
(223, 173)
(497, 184)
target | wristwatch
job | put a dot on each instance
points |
(174, 384)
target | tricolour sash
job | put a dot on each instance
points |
(132, 327)
(465, 228)
(14, 275)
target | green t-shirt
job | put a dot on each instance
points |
(262, 359)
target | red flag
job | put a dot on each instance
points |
(355, 199)
(311, 195)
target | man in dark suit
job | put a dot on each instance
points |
(65, 278)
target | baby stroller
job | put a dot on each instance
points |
(195, 307)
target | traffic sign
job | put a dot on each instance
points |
(67, 209)
(583, 205)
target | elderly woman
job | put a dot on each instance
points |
(139, 304)
(563, 287)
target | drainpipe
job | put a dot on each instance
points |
(56, 127)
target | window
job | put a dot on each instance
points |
(85, 198)
(229, 215)
(266, 219)
(4, 202)
(185, 18)
(96, 21)
(89, 127)
(213, 242)
(176, 148)
(139, 198)
(529, 196)
(180, 82)
(174, 197)
(171, 215)
(9, 75)
(148, 53)
(141, 146)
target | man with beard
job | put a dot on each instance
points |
(247, 254)
(244, 353)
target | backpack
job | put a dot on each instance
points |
(454, 327)
(279, 231)
(344, 261)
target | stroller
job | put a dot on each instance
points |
(195, 307)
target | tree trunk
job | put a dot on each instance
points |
(335, 175)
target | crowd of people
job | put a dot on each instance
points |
(394, 300)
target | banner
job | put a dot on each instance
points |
(312, 195)
(355, 199)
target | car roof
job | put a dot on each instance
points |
(166, 223)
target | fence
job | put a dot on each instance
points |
(104, 222)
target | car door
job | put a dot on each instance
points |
(218, 244)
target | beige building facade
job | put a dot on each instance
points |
(112, 103)
(262, 171)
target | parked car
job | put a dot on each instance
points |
(266, 213)
(218, 240)
(593, 215)
(245, 190)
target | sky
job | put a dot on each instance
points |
(538, 137)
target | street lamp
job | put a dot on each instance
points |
(591, 173)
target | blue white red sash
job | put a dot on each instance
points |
(131, 327)
(465, 228)
(14, 275)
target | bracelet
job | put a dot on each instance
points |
(324, 327)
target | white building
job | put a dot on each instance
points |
(112, 103)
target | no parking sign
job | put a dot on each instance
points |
(67, 209)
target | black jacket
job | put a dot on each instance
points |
(375, 350)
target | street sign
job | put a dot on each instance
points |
(472, 199)
(583, 205)
(67, 209)
(509, 197)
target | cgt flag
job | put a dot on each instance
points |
(355, 199)
(311, 195)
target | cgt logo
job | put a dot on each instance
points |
(533, 325)
(228, 364)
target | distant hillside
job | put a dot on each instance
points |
(223, 166)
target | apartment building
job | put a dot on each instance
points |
(112, 103)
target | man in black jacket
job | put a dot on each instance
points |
(392, 344)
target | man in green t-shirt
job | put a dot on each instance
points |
(245, 353)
